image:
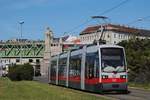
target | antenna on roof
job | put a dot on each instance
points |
(101, 38)
(100, 17)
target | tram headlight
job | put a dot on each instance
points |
(104, 76)
(122, 76)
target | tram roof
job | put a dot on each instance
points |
(110, 45)
(90, 48)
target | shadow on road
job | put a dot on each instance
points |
(117, 93)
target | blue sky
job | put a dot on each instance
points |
(63, 15)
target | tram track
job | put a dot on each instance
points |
(135, 94)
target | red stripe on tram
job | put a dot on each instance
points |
(113, 80)
(63, 78)
(76, 79)
(91, 81)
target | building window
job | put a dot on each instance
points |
(17, 60)
(124, 37)
(128, 36)
(119, 36)
(98, 30)
(108, 36)
(114, 42)
(114, 35)
(30, 60)
(37, 60)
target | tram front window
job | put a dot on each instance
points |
(112, 60)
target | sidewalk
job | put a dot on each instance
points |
(42, 79)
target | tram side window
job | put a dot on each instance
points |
(54, 63)
(62, 66)
(92, 65)
(53, 67)
(75, 66)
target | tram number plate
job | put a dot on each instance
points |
(115, 85)
(114, 80)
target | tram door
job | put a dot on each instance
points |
(62, 70)
(75, 71)
(91, 71)
(53, 71)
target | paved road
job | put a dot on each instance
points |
(135, 94)
(42, 79)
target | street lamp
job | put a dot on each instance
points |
(21, 24)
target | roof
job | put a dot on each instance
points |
(117, 28)
(91, 29)
(71, 38)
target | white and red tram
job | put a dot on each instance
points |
(94, 68)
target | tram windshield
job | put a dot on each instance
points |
(112, 60)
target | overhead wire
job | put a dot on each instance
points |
(138, 19)
(104, 12)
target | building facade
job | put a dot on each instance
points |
(21, 51)
(53, 46)
(35, 52)
(111, 33)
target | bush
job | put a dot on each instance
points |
(21, 72)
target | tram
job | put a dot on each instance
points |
(95, 68)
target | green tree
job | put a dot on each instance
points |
(138, 59)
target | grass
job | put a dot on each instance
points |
(31, 90)
(145, 86)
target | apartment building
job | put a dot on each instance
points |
(112, 33)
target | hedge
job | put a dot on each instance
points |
(21, 72)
